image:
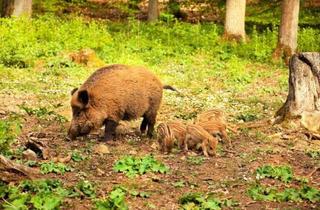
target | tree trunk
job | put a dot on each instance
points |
(288, 32)
(16, 8)
(234, 22)
(304, 86)
(153, 12)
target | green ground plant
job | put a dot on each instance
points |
(195, 160)
(133, 166)
(284, 194)
(115, 201)
(43, 113)
(282, 173)
(9, 130)
(315, 154)
(51, 167)
(77, 156)
(39, 194)
(262, 193)
(201, 201)
(87, 188)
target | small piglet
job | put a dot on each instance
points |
(216, 128)
(170, 134)
(197, 135)
(211, 115)
(179, 131)
(166, 138)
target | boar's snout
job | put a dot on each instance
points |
(73, 132)
(76, 130)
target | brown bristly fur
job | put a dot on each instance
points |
(214, 128)
(211, 115)
(114, 93)
(165, 137)
(179, 131)
(215, 115)
(197, 135)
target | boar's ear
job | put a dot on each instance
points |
(83, 97)
(73, 90)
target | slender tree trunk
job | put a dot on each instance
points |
(7, 7)
(15, 8)
(288, 32)
(235, 20)
(153, 12)
(304, 87)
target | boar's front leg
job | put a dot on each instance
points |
(110, 130)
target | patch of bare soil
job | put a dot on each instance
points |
(228, 175)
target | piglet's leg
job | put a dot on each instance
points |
(204, 148)
(110, 130)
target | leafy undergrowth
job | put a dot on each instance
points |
(9, 130)
(52, 167)
(285, 174)
(200, 201)
(133, 166)
(43, 113)
(116, 200)
(40, 194)
(263, 193)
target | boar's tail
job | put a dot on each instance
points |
(168, 87)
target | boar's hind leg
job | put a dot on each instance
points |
(110, 130)
(149, 120)
(143, 126)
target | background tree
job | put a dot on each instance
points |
(15, 8)
(288, 32)
(234, 21)
(304, 87)
(153, 11)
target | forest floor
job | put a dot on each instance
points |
(228, 176)
(267, 167)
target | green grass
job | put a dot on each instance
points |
(9, 129)
(176, 51)
(192, 57)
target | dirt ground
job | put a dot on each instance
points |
(228, 175)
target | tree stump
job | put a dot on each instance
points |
(304, 87)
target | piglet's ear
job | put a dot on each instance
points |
(83, 97)
(73, 91)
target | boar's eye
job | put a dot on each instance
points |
(77, 114)
(76, 111)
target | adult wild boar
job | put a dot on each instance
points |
(114, 93)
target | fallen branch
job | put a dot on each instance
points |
(312, 172)
(9, 164)
(311, 135)
(256, 124)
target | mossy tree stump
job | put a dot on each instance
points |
(304, 86)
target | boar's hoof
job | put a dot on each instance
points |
(109, 137)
